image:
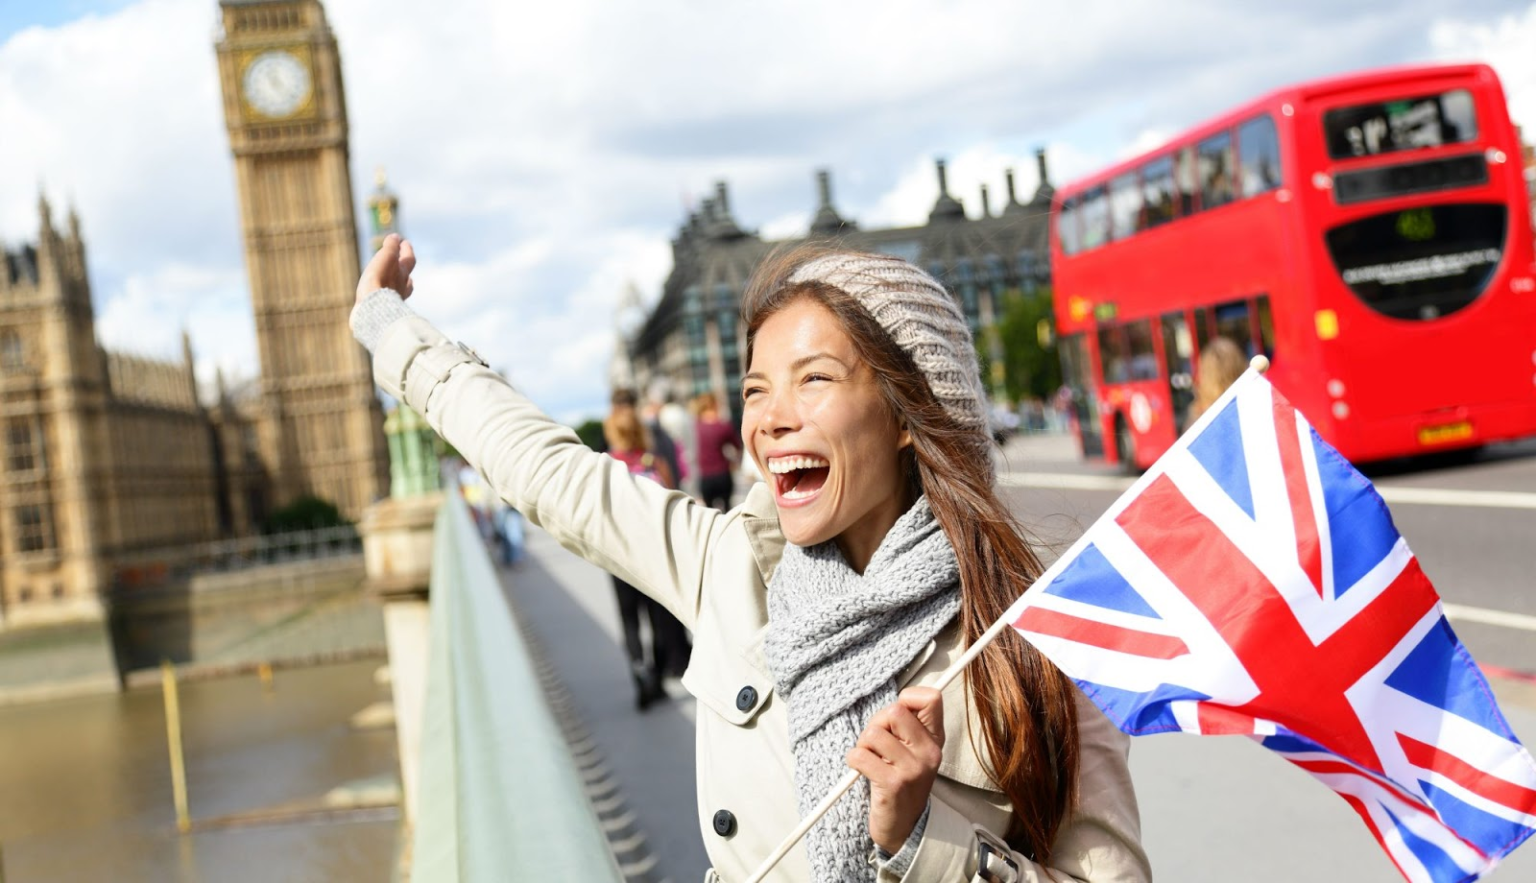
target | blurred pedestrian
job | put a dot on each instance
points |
(669, 648)
(1221, 363)
(508, 523)
(671, 429)
(718, 447)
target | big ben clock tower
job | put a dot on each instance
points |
(320, 424)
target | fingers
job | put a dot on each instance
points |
(407, 258)
(927, 704)
(896, 734)
(381, 269)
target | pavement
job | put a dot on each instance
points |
(1212, 809)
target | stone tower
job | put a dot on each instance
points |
(53, 385)
(320, 422)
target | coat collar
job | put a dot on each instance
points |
(760, 519)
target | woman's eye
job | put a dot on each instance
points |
(750, 391)
(812, 377)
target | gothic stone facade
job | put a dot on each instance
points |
(103, 453)
(109, 457)
(692, 341)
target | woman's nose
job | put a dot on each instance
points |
(779, 415)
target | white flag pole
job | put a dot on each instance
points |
(1259, 364)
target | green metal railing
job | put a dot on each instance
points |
(500, 797)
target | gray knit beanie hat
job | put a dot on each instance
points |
(920, 316)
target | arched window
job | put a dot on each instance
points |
(12, 356)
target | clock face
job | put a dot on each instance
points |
(276, 83)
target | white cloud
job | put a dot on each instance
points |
(909, 202)
(1145, 140)
(1509, 45)
(544, 153)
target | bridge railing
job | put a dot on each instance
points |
(147, 569)
(500, 797)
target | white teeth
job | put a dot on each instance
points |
(797, 495)
(780, 465)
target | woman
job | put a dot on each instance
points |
(627, 443)
(823, 604)
(1221, 363)
(718, 448)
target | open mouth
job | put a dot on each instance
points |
(798, 477)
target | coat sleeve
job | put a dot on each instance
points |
(1099, 843)
(651, 537)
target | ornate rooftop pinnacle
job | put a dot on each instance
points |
(827, 221)
(1045, 191)
(947, 208)
(1012, 206)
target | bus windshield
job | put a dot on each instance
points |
(1408, 124)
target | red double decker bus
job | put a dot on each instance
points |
(1369, 233)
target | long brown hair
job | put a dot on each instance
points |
(1026, 705)
(623, 431)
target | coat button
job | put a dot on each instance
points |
(725, 822)
(746, 699)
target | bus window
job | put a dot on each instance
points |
(1216, 170)
(1066, 227)
(1178, 351)
(1125, 206)
(1094, 218)
(1233, 323)
(1112, 355)
(1158, 192)
(1266, 326)
(1189, 186)
(1077, 377)
(1405, 124)
(1143, 361)
(1259, 153)
(1202, 327)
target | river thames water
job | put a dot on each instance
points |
(85, 785)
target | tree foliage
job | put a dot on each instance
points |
(1030, 370)
(591, 434)
(305, 513)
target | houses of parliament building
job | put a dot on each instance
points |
(106, 455)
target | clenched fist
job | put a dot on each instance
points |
(899, 753)
(390, 268)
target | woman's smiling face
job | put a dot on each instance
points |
(817, 425)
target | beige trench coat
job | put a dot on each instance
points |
(711, 570)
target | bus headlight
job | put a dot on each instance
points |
(1340, 410)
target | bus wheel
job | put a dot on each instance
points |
(1125, 447)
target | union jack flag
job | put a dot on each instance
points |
(1252, 583)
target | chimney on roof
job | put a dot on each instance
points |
(723, 198)
(947, 208)
(827, 221)
(1045, 191)
(986, 202)
(718, 223)
(1012, 205)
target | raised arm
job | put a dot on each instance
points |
(651, 537)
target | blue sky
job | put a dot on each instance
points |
(18, 14)
(544, 152)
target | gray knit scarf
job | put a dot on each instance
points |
(836, 642)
